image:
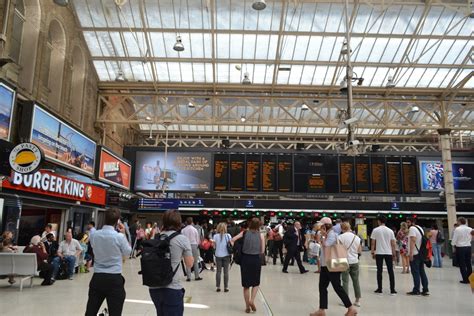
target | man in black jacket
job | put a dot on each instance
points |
(294, 243)
(51, 246)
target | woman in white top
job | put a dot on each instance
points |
(221, 240)
(352, 243)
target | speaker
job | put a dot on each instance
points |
(300, 146)
(225, 143)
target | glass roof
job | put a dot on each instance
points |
(295, 42)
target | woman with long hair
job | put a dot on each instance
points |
(402, 240)
(253, 247)
(329, 238)
(221, 240)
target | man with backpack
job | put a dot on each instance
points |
(418, 254)
(160, 266)
(107, 282)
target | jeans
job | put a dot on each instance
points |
(353, 271)
(389, 262)
(334, 278)
(418, 272)
(105, 286)
(464, 260)
(168, 302)
(222, 262)
(195, 251)
(437, 259)
(71, 261)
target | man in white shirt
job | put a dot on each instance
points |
(48, 229)
(69, 250)
(193, 235)
(417, 264)
(462, 242)
(383, 248)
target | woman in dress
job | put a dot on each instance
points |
(220, 240)
(402, 240)
(253, 247)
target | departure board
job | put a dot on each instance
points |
(237, 172)
(221, 172)
(252, 172)
(346, 174)
(269, 174)
(394, 176)
(377, 174)
(316, 183)
(285, 173)
(410, 175)
(362, 173)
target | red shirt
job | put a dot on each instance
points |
(38, 250)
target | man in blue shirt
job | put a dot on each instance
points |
(107, 282)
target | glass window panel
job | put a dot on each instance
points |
(426, 78)
(432, 19)
(249, 46)
(430, 50)
(301, 45)
(415, 77)
(335, 18)
(101, 70)
(319, 75)
(152, 11)
(259, 73)
(199, 72)
(378, 50)
(158, 45)
(287, 46)
(92, 43)
(197, 45)
(390, 19)
(135, 44)
(262, 46)
(362, 18)
(209, 74)
(186, 72)
(391, 50)
(236, 42)
(162, 71)
(307, 74)
(223, 73)
(463, 28)
(363, 52)
(379, 78)
(236, 75)
(403, 76)
(295, 74)
(307, 16)
(315, 43)
(223, 46)
(453, 53)
(329, 75)
(326, 51)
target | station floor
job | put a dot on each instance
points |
(281, 294)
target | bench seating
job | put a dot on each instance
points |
(19, 264)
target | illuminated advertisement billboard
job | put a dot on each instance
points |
(432, 176)
(182, 171)
(7, 101)
(114, 170)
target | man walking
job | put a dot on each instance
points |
(193, 236)
(294, 241)
(417, 265)
(462, 241)
(383, 249)
(107, 282)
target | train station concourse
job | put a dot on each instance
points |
(231, 157)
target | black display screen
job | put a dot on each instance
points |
(346, 174)
(377, 174)
(237, 172)
(221, 172)
(285, 173)
(362, 173)
(394, 175)
(410, 175)
(253, 172)
(269, 177)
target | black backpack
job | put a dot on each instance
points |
(156, 261)
(423, 251)
(237, 250)
(439, 237)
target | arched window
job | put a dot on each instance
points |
(54, 55)
(17, 30)
(77, 85)
(28, 44)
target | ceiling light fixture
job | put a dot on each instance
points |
(178, 46)
(259, 5)
(304, 107)
(120, 76)
(415, 109)
(246, 79)
(243, 118)
(343, 86)
(148, 118)
(390, 82)
(62, 3)
(191, 105)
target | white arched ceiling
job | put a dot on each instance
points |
(29, 46)
(57, 40)
(77, 84)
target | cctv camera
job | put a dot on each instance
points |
(351, 120)
(343, 86)
(354, 142)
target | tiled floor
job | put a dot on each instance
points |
(281, 294)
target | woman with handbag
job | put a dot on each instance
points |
(354, 249)
(221, 241)
(329, 239)
(253, 247)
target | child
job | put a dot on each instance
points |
(83, 238)
(313, 252)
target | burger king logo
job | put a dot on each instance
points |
(88, 192)
(25, 158)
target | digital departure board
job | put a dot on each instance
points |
(346, 174)
(316, 183)
(285, 173)
(362, 173)
(237, 172)
(377, 174)
(221, 172)
(269, 174)
(409, 175)
(252, 172)
(394, 176)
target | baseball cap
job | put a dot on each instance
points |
(325, 220)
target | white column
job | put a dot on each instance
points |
(445, 144)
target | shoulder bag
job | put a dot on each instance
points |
(336, 257)
(230, 248)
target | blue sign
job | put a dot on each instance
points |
(249, 203)
(191, 202)
(395, 206)
(162, 204)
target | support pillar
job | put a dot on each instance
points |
(445, 144)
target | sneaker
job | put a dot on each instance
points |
(378, 291)
(425, 293)
(393, 293)
(226, 290)
(464, 282)
(218, 290)
(305, 271)
(198, 279)
(284, 271)
(188, 280)
(413, 293)
(357, 304)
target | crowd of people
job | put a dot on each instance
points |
(252, 244)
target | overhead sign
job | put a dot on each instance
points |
(61, 143)
(395, 206)
(114, 170)
(7, 101)
(51, 184)
(25, 158)
(162, 204)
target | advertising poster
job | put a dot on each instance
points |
(114, 170)
(183, 171)
(7, 100)
(432, 176)
(61, 143)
